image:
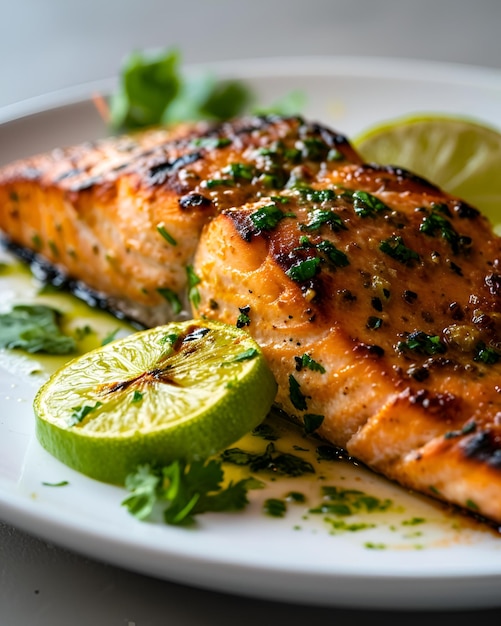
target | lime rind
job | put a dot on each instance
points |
(215, 400)
(461, 155)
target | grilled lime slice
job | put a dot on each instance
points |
(461, 156)
(185, 391)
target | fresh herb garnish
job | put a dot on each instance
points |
(34, 328)
(193, 281)
(243, 318)
(275, 507)
(344, 502)
(81, 412)
(153, 90)
(312, 422)
(395, 247)
(336, 257)
(271, 460)
(166, 235)
(137, 396)
(422, 343)
(367, 205)
(435, 223)
(319, 217)
(172, 298)
(187, 490)
(268, 217)
(304, 270)
(61, 483)
(305, 361)
(484, 354)
(297, 398)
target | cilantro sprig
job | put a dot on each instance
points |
(153, 89)
(185, 491)
(35, 328)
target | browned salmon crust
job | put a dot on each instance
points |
(374, 295)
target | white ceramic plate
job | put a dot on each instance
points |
(435, 566)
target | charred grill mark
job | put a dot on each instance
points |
(158, 174)
(183, 346)
(76, 171)
(87, 183)
(396, 177)
(484, 447)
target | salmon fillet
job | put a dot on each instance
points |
(374, 295)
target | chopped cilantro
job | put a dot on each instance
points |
(187, 489)
(268, 217)
(435, 223)
(243, 318)
(81, 412)
(166, 235)
(34, 328)
(111, 336)
(297, 398)
(172, 298)
(137, 396)
(336, 257)
(395, 247)
(275, 507)
(246, 355)
(319, 217)
(484, 354)
(421, 343)
(367, 205)
(193, 281)
(312, 422)
(305, 361)
(61, 483)
(304, 270)
(271, 460)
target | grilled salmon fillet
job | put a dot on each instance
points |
(374, 295)
(121, 218)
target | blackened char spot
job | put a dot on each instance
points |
(332, 139)
(368, 349)
(194, 201)
(87, 183)
(242, 224)
(484, 447)
(465, 210)
(69, 174)
(158, 174)
(401, 174)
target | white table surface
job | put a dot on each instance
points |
(46, 45)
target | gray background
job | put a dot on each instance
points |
(46, 45)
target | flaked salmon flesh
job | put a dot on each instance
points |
(374, 295)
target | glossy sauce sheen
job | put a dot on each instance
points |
(374, 295)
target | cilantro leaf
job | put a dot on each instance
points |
(34, 328)
(154, 90)
(188, 490)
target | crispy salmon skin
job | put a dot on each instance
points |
(374, 295)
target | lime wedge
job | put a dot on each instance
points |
(183, 391)
(461, 156)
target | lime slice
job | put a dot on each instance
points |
(461, 156)
(183, 391)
